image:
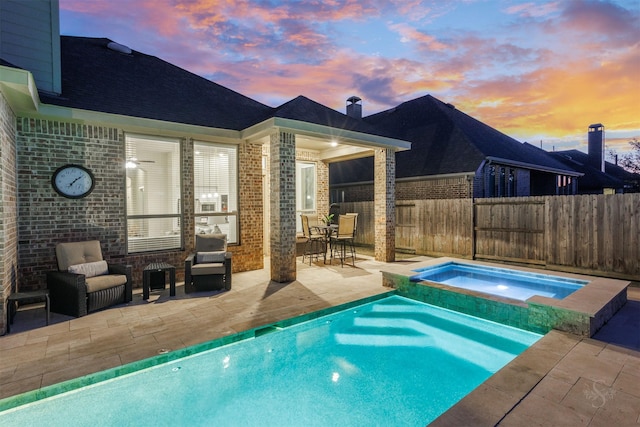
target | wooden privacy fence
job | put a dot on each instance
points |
(597, 234)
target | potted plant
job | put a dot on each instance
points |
(327, 219)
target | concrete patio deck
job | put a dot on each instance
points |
(562, 380)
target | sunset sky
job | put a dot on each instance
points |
(539, 71)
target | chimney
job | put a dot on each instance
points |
(354, 107)
(596, 146)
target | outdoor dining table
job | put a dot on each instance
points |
(327, 231)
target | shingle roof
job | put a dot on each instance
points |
(306, 110)
(97, 78)
(444, 140)
(593, 179)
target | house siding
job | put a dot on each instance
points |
(8, 209)
(30, 35)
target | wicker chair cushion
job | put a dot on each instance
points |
(209, 268)
(99, 283)
(90, 269)
(74, 253)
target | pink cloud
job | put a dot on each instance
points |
(409, 33)
(532, 9)
(275, 51)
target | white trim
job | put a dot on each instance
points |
(508, 162)
(19, 88)
(343, 136)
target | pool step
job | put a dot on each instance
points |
(266, 330)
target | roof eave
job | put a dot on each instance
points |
(139, 124)
(509, 162)
(19, 88)
(322, 131)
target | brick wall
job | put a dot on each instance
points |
(457, 187)
(8, 209)
(45, 218)
(424, 189)
(249, 255)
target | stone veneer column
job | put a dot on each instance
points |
(282, 203)
(384, 204)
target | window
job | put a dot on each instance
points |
(305, 190)
(564, 185)
(500, 182)
(215, 172)
(306, 186)
(153, 193)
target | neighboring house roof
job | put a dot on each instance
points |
(97, 78)
(444, 141)
(613, 177)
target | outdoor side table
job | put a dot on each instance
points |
(158, 267)
(28, 297)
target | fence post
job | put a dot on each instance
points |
(473, 228)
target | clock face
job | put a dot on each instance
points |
(73, 181)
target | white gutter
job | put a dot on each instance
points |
(139, 124)
(19, 88)
(342, 136)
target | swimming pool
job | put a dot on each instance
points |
(394, 361)
(514, 284)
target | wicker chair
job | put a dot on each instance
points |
(85, 282)
(209, 268)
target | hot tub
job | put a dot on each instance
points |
(520, 285)
(576, 303)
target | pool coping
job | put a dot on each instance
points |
(582, 313)
(494, 399)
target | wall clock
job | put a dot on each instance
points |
(73, 181)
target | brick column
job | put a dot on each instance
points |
(384, 204)
(283, 206)
(9, 212)
(322, 196)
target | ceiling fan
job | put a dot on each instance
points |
(133, 162)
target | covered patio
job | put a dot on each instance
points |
(303, 131)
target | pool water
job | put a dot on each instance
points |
(514, 284)
(394, 361)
